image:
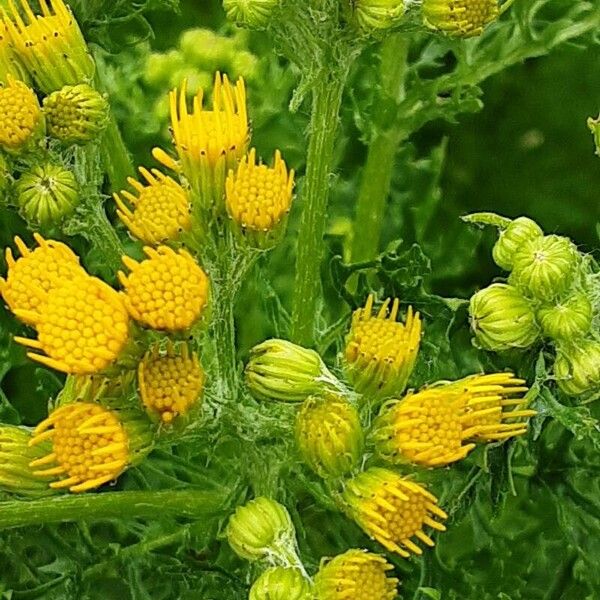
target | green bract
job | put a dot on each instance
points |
(545, 267)
(519, 231)
(577, 368)
(567, 320)
(253, 13)
(502, 319)
(281, 583)
(375, 15)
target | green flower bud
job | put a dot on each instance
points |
(502, 318)
(594, 125)
(567, 320)
(329, 435)
(244, 64)
(460, 18)
(196, 80)
(281, 583)
(261, 529)
(577, 368)
(46, 194)
(204, 49)
(545, 267)
(512, 238)
(159, 67)
(280, 370)
(251, 13)
(376, 15)
(76, 114)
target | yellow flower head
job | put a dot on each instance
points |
(259, 197)
(159, 212)
(208, 141)
(50, 45)
(392, 510)
(425, 428)
(82, 327)
(461, 18)
(166, 291)
(355, 575)
(90, 445)
(170, 384)
(495, 408)
(380, 352)
(36, 273)
(21, 118)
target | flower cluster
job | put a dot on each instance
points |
(549, 295)
(433, 427)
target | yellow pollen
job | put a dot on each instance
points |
(36, 273)
(356, 575)
(380, 352)
(159, 212)
(425, 428)
(82, 327)
(259, 197)
(169, 385)
(20, 114)
(78, 460)
(167, 291)
(463, 18)
(392, 510)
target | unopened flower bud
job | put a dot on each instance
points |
(261, 529)
(510, 240)
(577, 368)
(329, 435)
(371, 16)
(545, 267)
(502, 318)
(567, 320)
(252, 13)
(75, 114)
(460, 18)
(281, 583)
(47, 193)
(281, 370)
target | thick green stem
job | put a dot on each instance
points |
(115, 157)
(327, 97)
(377, 174)
(191, 504)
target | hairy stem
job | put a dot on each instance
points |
(377, 174)
(192, 504)
(115, 157)
(327, 96)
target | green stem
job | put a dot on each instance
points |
(327, 97)
(115, 157)
(190, 504)
(377, 174)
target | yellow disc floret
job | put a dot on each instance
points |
(82, 327)
(170, 384)
(36, 273)
(425, 428)
(159, 212)
(167, 291)
(380, 352)
(495, 408)
(461, 18)
(259, 197)
(90, 447)
(20, 115)
(392, 510)
(355, 575)
(50, 45)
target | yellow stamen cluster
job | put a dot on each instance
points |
(392, 510)
(461, 18)
(426, 428)
(259, 197)
(208, 138)
(159, 212)
(82, 327)
(355, 575)
(50, 45)
(170, 384)
(495, 408)
(20, 115)
(37, 272)
(167, 291)
(380, 352)
(90, 447)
